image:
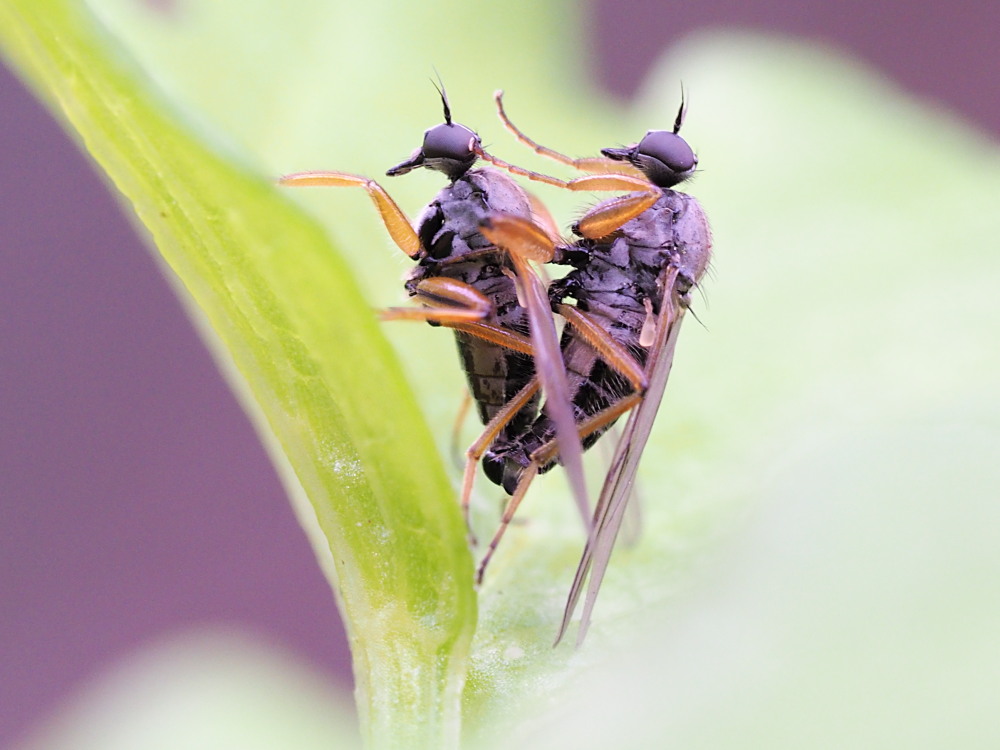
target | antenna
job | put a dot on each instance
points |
(439, 85)
(681, 113)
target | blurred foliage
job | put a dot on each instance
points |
(819, 551)
(204, 689)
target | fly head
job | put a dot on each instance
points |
(447, 148)
(662, 155)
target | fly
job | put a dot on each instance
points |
(635, 261)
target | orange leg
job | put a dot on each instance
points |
(448, 301)
(614, 354)
(523, 237)
(602, 419)
(595, 164)
(496, 335)
(609, 216)
(463, 411)
(612, 181)
(508, 514)
(395, 220)
(460, 306)
(475, 451)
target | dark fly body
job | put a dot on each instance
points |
(489, 296)
(635, 261)
(615, 281)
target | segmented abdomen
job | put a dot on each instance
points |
(455, 248)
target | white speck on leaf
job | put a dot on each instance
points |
(345, 465)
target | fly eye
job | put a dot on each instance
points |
(666, 157)
(449, 141)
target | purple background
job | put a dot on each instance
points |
(134, 497)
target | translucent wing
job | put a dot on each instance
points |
(552, 374)
(618, 484)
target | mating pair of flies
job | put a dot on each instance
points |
(634, 260)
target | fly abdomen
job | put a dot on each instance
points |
(495, 375)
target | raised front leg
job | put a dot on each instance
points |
(393, 218)
(594, 164)
(610, 181)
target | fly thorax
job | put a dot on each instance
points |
(500, 192)
(655, 227)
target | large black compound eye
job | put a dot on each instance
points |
(665, 158)
(449, 141)
(448, 148)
